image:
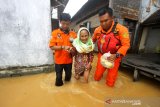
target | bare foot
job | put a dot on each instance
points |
(76, 77)
(86, 76)
(85, 81)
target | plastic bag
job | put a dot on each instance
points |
(105, 62)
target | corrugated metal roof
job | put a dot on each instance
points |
(89, 9)
(59, 4)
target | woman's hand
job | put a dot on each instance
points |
(88, 66)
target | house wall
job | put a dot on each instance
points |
(152, 44)
(143, 39)
(94, 22)
(150, 40)
(125, 8)
(25, 30)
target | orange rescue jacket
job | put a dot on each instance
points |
(104, 38)
(59, 38)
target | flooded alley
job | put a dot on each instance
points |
(39, 37)
(39, 91)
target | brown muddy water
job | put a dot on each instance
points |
(39, 91)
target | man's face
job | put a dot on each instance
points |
(105, 21)
(65, 24)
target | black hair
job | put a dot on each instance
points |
(105, 10)
(65, 17)
(82, 25)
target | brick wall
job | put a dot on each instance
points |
(126, 8)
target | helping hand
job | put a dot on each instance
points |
(68, 48)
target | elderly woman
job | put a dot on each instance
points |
(83, 52)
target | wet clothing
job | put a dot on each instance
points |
(59, 70)
(112, 73)
(120, 33)
(83, 53)
(115, 40)
(62, 58)
(81, 62)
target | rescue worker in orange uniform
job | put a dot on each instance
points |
(111, 37)
(60, 43)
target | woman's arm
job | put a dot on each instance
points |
(73, 51)
(91, 56)
(67, 48)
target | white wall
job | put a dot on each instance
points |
(25, 29)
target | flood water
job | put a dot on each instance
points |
(39, 91)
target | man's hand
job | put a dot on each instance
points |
(68, 48)
(65, 48)
(112, 57)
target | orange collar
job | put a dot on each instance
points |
(60, 31)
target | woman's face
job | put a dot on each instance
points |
(84, 35)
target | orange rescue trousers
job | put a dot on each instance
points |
(112, 73)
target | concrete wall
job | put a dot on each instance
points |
(150, 41)
(25, 29)
(152, 44)
(143, 39)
